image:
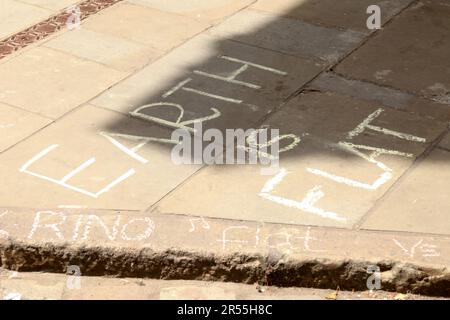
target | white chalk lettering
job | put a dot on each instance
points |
(53, 226)
(142, 236)
(63, 182)
(366, 124)
(178, 123)
(132, 152)
(307, 204)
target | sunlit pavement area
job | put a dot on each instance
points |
(91, 91)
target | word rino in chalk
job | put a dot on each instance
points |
(52, 224)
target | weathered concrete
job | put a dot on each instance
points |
(445, 143)
(322, 164)
(117, 179)
(27, 286)
(97, 188)
(115, 52)
(16, 16)
(305, 40)
(212, 11)
(425, 210)
(385, 96)
(174, 248)
(411, 54)
(186, 77)
(160, 30)
(348, 14)
(17, 124)
(64, 83)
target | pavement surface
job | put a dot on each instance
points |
(44, 286)
(91, 92)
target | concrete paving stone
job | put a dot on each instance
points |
(196, 293)
(16, 16)
(349, 14)
(344, 185)
(287, 35)
(54, 5)
(411, 54)
(22, 289)
(424, 205)
(212, 11)
(106, 288)
(445, 143)
(269, 79)
(62, 170)
(385, 96)
(16, 124)
(52, 83)
(161, 30)
(111, 51)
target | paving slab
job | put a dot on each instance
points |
(424, 205)
(410, 54)
(16, 16)
(160, 30)
(164, 246)
(51, 83)
(288, 35)
(104, 288)
(212, 11)
(385, 96)
(78, 162)
(349, 14)
(54, 5)
(242, 83)
(18, 124)
(324, 166)
(445, 143)
(111, 51)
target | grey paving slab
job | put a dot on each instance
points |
(288, 35)
(54, 5)
(242, 83)
(16, 124)
(410, 54)
(212, 11)
(420, 203)
(51, 83)
(332, 177)
(445, 143)
(109, 50)
(105, 288)
(79, 162)
(348, 14)
(158, 29)
(385, 96)
(16, 16)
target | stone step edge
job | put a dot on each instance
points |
(231, 266)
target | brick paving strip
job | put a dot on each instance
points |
(53, 24)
